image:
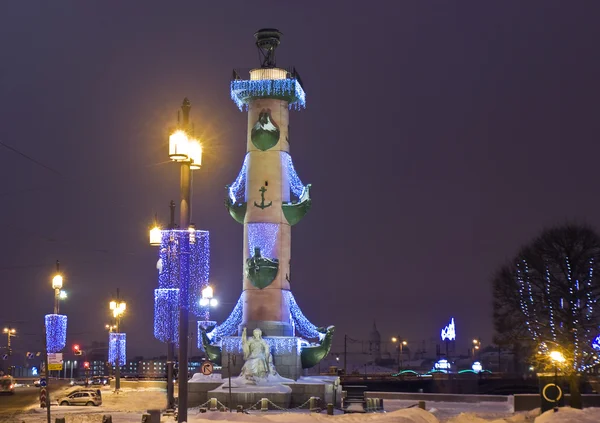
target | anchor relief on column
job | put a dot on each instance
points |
(262, 204)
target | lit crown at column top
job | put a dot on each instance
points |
(277, 83)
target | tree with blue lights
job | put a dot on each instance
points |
(546, 299)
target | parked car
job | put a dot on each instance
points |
(7, 385)
(79, 382)
(98, 380)
(81, 397)
(95, 391)
(37, 383)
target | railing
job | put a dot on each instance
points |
(290, 73)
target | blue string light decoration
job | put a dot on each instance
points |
(242, 91)
(56, 332)
(237, 190)
(596, 343)
(230, 325)
(166, 314)
(279, 345)
(301, 323)
(117, 344)
(264, 236)
(168, 260)
(296, 186)
(199, 273)
(577, 306)
(199, 261)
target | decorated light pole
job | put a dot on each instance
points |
(183, 261)
(117, 340)
(56, 336)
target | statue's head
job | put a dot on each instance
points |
(257, 333)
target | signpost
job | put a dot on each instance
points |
(55, 361)
(43, 396)
(206, 368)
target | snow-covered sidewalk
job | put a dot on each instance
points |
(128, 406)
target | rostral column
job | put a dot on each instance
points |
(268, 197)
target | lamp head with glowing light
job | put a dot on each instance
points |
(57, 282)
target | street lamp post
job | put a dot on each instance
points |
(401, 343)
(10, 332)
(57, 283)
(188, 152)
(118, 308)
(557, 358)
(476, 346)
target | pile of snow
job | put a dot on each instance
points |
(570, 415)
(200, 378)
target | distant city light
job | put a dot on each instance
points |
(34, 371)
(449, 332)
(442, 364)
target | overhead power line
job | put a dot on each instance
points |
(31, 159)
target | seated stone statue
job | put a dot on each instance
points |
(258, 361)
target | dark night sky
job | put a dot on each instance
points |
(438, 138)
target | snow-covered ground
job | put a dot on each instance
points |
(129, 405)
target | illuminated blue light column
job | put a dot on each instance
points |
(116, 348)
(56, 332)
(166, 318)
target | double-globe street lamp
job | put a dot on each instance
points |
(401, 343)
(57, 284)
(207, 299)
(118, 309)
(187, 151)
(477, 347)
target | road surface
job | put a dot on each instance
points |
(23, 398)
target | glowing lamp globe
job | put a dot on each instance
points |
(192, 233)
(557, 356)
(204, 302)
(178, 146)
(214, 302)
(207, 292)
(57, 282)
(113, 305)
(155, 236)
(195, 154)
